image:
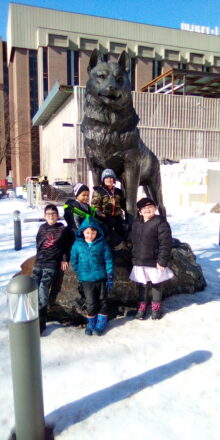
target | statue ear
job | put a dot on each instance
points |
(124, 61)
(94, 59)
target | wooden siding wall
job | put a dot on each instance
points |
(179, 127)
(173, 127)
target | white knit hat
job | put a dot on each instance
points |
(80, 187)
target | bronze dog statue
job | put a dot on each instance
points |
(111, 136)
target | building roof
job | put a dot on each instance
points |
(185, 82)
(57, 96)
(32, 27)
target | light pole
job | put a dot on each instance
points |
(22, 295)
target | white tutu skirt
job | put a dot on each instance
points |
(144, 274)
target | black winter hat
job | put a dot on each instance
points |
(145, 201)
(80, 187)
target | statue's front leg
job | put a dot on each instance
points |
(93, 166)
(131, 179)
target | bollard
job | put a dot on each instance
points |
(22, 294)
(17, 230)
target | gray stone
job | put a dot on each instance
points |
(67, 306)
(216, 208)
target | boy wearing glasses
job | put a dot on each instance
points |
(52, 255)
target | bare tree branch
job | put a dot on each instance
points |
(11, 144)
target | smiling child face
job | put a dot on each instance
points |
(89, 234)
(83, 197)
(51, 217)
(148, 212)
(109, 181)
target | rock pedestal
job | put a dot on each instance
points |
(67, 305)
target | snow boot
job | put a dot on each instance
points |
(141, 311)
(91, 325)
(101, 324)
(156, 310)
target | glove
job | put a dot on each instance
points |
(109, 283)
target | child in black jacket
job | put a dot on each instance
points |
(152, 241)
(76, 210)
(53, 253)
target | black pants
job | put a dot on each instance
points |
(145, 290)
(96, 297)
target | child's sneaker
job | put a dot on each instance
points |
(156, 310)
(141, 311)
(91, 325)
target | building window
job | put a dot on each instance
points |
(33, 82)
(76, 67)
(58, 40)
(196, 58)
(5, 71)
(156, 68)
(45, 72)
(35, 151)
(69, 67)
(172, 55)
(117, 47)
(182, 66)
(217, 61)
(72, 67)
(87, 44)
(145, 52)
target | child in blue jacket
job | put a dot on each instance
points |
(92, 261)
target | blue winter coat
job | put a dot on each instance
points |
(91, 262)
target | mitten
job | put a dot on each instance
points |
(109, 283)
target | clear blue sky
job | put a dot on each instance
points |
(168, 13)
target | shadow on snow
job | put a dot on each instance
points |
(75, 412)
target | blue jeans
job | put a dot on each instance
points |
(43, 278)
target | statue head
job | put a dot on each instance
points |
(109, 82)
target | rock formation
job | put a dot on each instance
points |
(67, 305)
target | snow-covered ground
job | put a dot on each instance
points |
(155, 380)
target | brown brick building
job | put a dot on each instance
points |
(3, 111)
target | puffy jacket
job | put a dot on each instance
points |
(52, 245)
(152, 241)
(91, 262)
(108, 202)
